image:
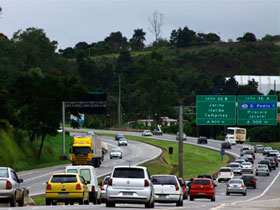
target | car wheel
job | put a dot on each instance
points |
(48, 202)
(227, 193)
(71, 203)
(149, 205)
(21, 201)
(13, 201)
(256, 174)
(213, 198)
(66, 203)
(99, 201)
(54, 203)
(191, 198)
(121, 157)
(268, 174)
(244, 194)
(94, 200)
(110, 204)
(219, 180)
(255, 186)
(110, 157)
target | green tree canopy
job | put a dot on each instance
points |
(248, 37)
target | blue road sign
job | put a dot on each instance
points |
(222, 152)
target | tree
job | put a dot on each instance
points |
(117, 41)
(137, 41)
(38, 102)
(212, 37)
(182, 37)
(156, 23)
(248, 37)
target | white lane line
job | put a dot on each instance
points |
(26, 180)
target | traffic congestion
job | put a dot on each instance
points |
(133, 185)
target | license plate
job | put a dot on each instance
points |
(127, 193)
(162, 196)
(63, 194)
(201, 193)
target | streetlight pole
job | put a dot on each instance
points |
(180, 149)
(119, 104)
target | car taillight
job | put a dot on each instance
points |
(8, 185)
(78, 186)
(110, 182)
(146, 183)
(242, 186)
(177, 187)
(228, 185)
(219, 174)
(49, 187)
(254, 181)
(92, 189)
(230, 173)
(239, 168)
(252, 166)
(102, 187)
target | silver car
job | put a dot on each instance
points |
(167, 189)
(236, 186)
(116, 153)
(247, 167)
(236, 168)
(130, 184)
(103, 188)
(262, 169)
(10, 190)
(122, 142)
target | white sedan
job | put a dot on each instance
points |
(147, 133)
(116, 153)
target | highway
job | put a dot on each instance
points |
(38, 177)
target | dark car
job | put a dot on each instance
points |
(250, 152)
(202, 140)
(266, 162)
(249, 181)
(259, 148)
(207, 176)
(275, 158)
(118, 136)
(250, 158)
(157, 132)
(184, 187)
(272, 161)
(226, 145)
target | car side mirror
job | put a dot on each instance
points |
(87, 182)
(20, 180)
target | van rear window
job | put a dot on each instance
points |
(129, 173)
(4, 173)
(64, 179)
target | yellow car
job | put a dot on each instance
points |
(68, 188)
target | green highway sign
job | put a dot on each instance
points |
(216, 110)
(257, 110)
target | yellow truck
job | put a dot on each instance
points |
(87, 150)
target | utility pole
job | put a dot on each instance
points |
(180, 141)
(63, 156)
(119, 104)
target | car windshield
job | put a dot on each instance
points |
(268, 148)
(234, 165)
(4, 173)
(81, 150)
(64, 179)
(128, 173)
(204, 176)
(262, 166)
(248, 177)
(116, 150)
(122, 139)
(86, 174)
(235, 181)
(164, 180)
(246, 164)
(201, 182)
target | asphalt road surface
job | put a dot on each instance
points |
(266, 196)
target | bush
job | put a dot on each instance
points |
(263, 133)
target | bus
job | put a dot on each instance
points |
(239, 134)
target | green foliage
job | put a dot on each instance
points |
(137, 40)
(264, 133)
(248, 37)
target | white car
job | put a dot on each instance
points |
(130, 184)
(225, 174)
(184, 137)
(262, 169)
(167, 189)
(103, 189)
(147, 133)
(89, 174)
(91, 133)
(243, 149)
(231, 139)
(236, 186)
(247, 167)
(266, 150)
(116, 153)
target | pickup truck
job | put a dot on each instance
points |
(10, 190)
(130, 184)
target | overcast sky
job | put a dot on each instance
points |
(72, 21)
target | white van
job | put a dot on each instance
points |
(89, 174)
(231, 139)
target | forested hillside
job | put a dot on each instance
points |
(35, 78)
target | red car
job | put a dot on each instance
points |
(184, 187)
(202, 188)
